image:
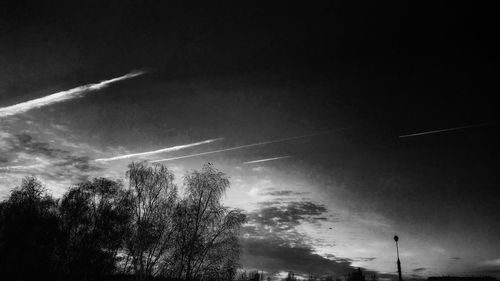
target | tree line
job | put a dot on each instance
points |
(354, 275)
(103, 230)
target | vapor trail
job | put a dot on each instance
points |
(445, 130)
(168, 149)
(242, 146)
(63, 95)
(267, 159)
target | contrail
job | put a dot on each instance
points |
(267, 159)
(446, 130)
(168, 149)
(62, 96)
(243, 146)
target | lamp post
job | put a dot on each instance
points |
(396, 238)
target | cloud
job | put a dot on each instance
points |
(291, 213)
(258, 169)
(274, 240)
(25, 143)
(494, 262)
(285, 193)
(420, 269)
(27, 155)
(273, 256)
(63, 95)
(20, 167)
(168, 149)
(271, 240)
(367, 259)
(278, 220)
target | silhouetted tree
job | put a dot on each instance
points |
(95, 217)
(206, 244)
(373, 277)
(290, 277)
(254, 276)
(311, 278)
(328, 278)
(243, 276)
(99, 226)
(28, 233)
(153, 200)
(356, 276)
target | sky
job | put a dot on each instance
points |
(314, 110)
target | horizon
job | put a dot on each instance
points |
(339, 126)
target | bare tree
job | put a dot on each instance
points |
(206, 231)
(153, 197)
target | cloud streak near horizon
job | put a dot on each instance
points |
(168, 149)
(20, 167)
(267, 159)
(63, 95)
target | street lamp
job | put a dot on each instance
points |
(396, 238)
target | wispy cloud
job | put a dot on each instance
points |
(267, 159)
(284, 216)
(285, 193)
(277, 255)
(272, 241)
(168, 149)
(495, 262)
(26, 155)
(420, 269)
(20, 167)
(63, 95)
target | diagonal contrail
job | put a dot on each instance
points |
(244, 146)
(168, 149)
(445, 130)
(267, 159)
(63, 95)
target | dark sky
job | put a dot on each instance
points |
(251, 71)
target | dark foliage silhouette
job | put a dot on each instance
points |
(95, 216)
(28, 233)
(100, 230)
(356, 276)
(250, 276)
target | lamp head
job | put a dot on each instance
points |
(396, 238)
